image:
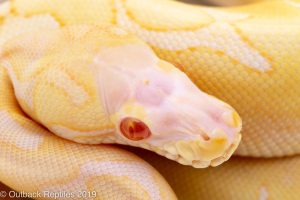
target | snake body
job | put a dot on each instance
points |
(246, 56)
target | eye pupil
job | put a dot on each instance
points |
(134, 129)
(131, 130)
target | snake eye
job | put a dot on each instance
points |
(134, 129)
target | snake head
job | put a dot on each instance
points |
(154, 105)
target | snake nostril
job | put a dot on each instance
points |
(134, 129)
(205, 137)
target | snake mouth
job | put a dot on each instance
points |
(198, 154)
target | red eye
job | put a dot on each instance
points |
(134, 129)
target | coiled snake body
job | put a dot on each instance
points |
(54, 58)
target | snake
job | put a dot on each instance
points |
(77, 76)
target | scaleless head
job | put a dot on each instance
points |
(155, 106)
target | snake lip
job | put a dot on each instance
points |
(201, 163)
(171, 152)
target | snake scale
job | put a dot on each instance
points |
(54, 79)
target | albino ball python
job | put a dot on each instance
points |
(54, 68)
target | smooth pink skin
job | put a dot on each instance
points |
(175, 109)
(180, 110)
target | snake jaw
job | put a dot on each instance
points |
(189, 152)
(199, 154)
